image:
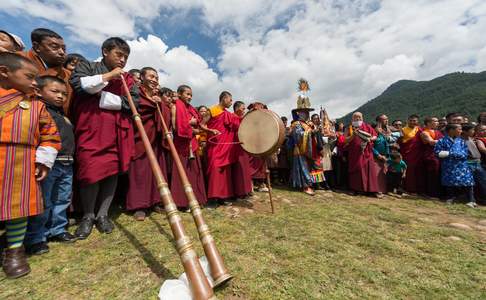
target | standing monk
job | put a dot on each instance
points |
(258, 165)
(430, 136)
(222, 152)
(48, 54)
(143, 193)
(103, 131)
(241, 168)
(361, 165)
(410, 148)
(186, 126)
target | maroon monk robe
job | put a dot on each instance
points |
(142, 189)
(222, 155)
(104, 138)
(242, 185)
(258, 167)
(412, 155)
(361, 164)
(183, 137)
(431, 165)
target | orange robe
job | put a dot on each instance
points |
(60, 72)
(25, 128)
(411, 150)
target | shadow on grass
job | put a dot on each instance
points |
(155, 266)
(169, 237)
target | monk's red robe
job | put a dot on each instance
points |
(411, 151)
(243, 185)
(431, 166)
(104, 138)
(59, 72)
(183, 137)
(361, 164)
(142, 189)
(223, 154)
(258, 167)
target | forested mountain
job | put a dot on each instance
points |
(455, 92)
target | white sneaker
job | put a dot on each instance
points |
(472, 204)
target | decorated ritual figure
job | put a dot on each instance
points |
(305, 146)
(303, 100)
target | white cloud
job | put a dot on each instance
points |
(378, 77)
(348, 50)
(176, 66)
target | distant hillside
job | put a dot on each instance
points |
(456, 92)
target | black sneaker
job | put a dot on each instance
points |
(104, 224)
(84, 229)
(64, 237)
(37, 249)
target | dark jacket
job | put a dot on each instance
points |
(86, 68)
(65, 129)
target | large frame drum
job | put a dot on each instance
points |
(261, 132)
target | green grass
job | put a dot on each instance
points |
(331, 246)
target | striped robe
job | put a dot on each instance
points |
(28, 135)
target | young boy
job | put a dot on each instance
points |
(104, 132)
(29, 142)
(9, 42)
(455, 173)
(57, 187)
(396, 169)
(474, 160)
(72, 60)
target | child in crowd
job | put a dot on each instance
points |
(57, 187)
(455, 173)
(474, 159)
(29, 142)
(396, 169)
(72, 60)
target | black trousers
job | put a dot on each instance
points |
(394, 181)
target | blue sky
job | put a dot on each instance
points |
(349, 51)
(184, 32)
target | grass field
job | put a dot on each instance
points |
(331, 246)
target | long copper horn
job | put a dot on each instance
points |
(218, 270)
(198, 282)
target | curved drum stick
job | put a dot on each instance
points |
(198, 282)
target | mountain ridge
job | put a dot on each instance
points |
(453, 92)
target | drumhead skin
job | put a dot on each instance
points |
(261, 132)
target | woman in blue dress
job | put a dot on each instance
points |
(455, 172)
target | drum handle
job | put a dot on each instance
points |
(210, 140)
